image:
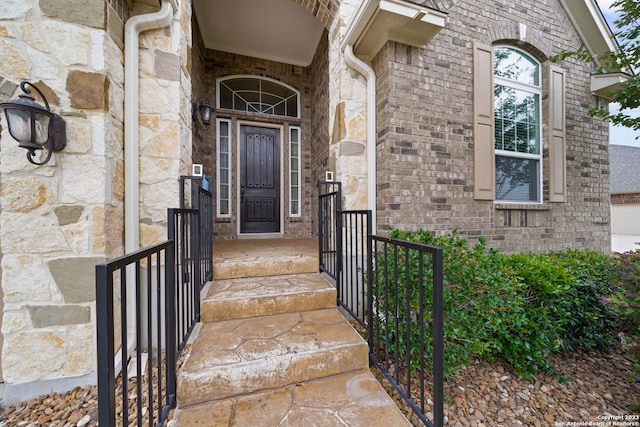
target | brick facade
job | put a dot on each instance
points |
(57, 221)
(425, 135)
(309, 81)
(625, 199)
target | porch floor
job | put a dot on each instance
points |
(273, 350)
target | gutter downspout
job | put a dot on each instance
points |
(364, 69)
(132, 29)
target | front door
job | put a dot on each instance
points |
(259, 180)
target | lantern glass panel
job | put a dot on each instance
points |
(20, 125)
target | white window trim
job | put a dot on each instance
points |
(218, 169)
(506, 153)
(299, 172)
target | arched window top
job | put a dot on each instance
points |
(513, 64)
(256, 94)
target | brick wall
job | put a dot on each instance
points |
(309, 81)
(203, 148)
(319, 140)
(625, 199)
(425, 135)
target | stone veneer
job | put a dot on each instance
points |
(57, 221)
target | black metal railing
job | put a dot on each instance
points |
(205, 206)
(131, 336)
(405, 324)
(352, 286)
(147, 305)
(200, 197)
(184, 230)
(394, 290)
(329, 229)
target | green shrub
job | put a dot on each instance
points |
(625, 301)
(590, 323)
(520, 308)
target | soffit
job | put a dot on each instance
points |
(277, 30)
(598, 39)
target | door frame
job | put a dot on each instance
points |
(281, 128)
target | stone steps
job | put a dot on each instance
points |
(261, 296)
(273, 349)
(237, 357)
(265, 257)
(353, 399)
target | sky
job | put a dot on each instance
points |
(618, 134)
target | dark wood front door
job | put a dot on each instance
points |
(259, 180)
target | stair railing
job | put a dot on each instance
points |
(153, 324)
(394, 290)
(147, 304)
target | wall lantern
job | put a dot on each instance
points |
(34, 127)
(202, 112)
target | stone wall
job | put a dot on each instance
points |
(58, 220)
(348, 117)
(425, 135)
(165, 121)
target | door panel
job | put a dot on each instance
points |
(259, 180)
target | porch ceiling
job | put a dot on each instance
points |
(278, 30)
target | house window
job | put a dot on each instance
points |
(294, 171)
(517, 126)
(256, 94)
(223, 169)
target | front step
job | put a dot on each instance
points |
(245, 356)
(261, 296)
(264, 257)
(354, 399)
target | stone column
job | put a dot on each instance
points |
(58, 220)
(348, 112)
(165, 122)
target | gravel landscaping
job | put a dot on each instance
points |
(479, 395)
(588, 388)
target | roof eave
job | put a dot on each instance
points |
(590, 25)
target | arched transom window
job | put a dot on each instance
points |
(257, 94)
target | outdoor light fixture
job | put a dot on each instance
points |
(34, 127)
(202, 112)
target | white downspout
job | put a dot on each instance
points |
(132, 29)
(364, 69)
